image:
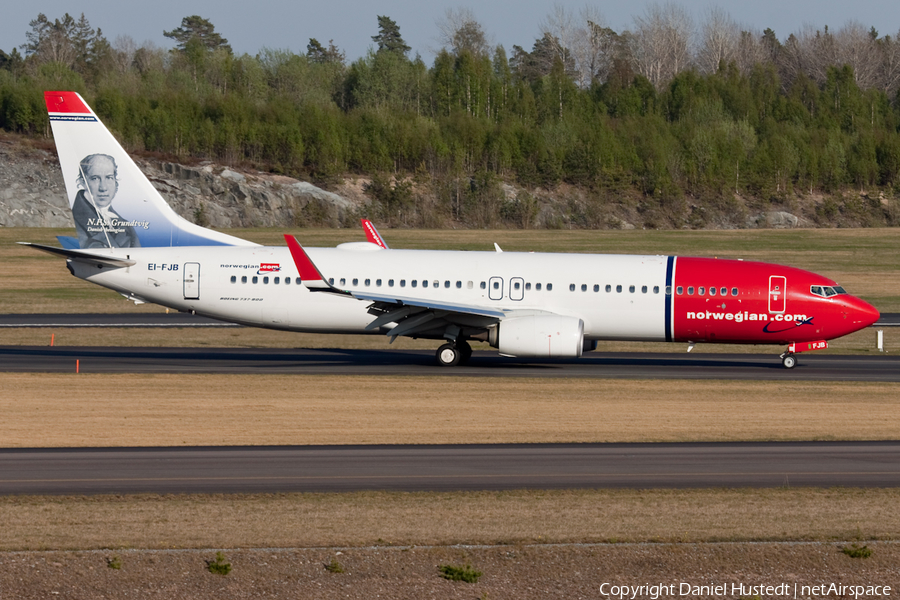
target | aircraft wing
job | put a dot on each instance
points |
(411, 316)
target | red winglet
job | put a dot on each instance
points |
(372, 234)
(65, 102)
(309, 274)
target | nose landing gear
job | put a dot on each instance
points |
(790, 361)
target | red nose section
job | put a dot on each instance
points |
(862, 313)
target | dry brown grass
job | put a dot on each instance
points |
(53, 410)
(359, 519)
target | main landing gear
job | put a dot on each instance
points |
(450, 354)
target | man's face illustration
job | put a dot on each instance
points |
(101, 181)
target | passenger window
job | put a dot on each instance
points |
(496, 285)
(390, 283)
(596, 288)
(527, 286)
(619, 289)
(655, 289)
(331, 280)
(287, 281)
(377, 283)
(549, 287)
(437, 283)
(368, 282)
(643, 289)
(265, 280)
(483, 285)
(571, 287)
(469, 285)
(712, 291)
(234, 279)
(723, 291)
(679, 290)
(413, 283)
(608, 288)
(734, 291)
(244, 279)
(459, 285)
(424, 283)
(255, 279)
(355, 282)
(298, 281)
(701, 291)
(537, 287)
(402, 283)
(277, 280)
(668, 290)
(343, 282)
(517, 286)
(690, 290)
(446, 284)
(630, 289)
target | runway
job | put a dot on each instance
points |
(300, 361)
(446, 468)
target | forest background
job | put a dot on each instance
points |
(680, 124)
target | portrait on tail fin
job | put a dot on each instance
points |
(97, 223)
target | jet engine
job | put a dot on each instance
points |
(539, 336)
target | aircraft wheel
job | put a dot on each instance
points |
(465, 352)
(789, 361)
(448, 355)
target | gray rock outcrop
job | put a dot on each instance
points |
(33, 194)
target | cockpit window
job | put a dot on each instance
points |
(826, 291)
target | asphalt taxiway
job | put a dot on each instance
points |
(444, 468)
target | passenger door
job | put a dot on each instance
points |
(191, 281)
(777, 292)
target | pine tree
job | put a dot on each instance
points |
(197, 28)
(388, 38)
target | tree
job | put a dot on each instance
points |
(197, 29)
(316, 53)
(662, 42)
(388, 38)
(720, 41)
(51, 41)
(460, 32)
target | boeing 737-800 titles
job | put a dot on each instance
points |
(525, 304)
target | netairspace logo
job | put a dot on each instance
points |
(781, 590)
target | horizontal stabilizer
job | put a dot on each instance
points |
(83, 255)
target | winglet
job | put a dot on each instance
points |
(372, 234)
(309, 273)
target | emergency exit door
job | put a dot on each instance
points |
(191, 281)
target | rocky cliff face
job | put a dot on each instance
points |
(33, 194)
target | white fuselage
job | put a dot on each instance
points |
(260, 286)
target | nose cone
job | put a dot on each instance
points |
(861, 313)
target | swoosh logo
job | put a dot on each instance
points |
(788, 328)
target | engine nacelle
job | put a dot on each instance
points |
(539, 336)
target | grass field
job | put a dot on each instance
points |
(394, 518)
(48, 410)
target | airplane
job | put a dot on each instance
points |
(527, 305)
